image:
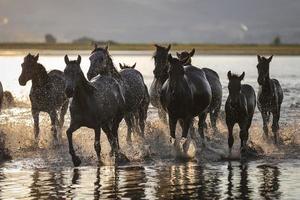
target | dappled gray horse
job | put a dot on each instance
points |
(131, 82)
(98, 104)
(46, 94)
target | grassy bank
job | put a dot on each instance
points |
(231, 49)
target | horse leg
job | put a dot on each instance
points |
(106, 128)
(172, 126)
(120, 157)
(243, 138)
(275, 125)
(202, 125)
(128, 119)
(230, 136)
(187, 123)
(97, 145)
(265, 118)
(36, 117)
(213, 118)
(54, 122)
(76, 160)
(63, 111)
(141, 119)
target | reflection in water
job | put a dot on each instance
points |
(269, 188)
(174, 181)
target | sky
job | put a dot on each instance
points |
(137, 21)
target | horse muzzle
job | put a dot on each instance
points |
(22, 81)
(69, 92)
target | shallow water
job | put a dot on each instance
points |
(47, 172)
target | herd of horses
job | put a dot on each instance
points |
(180, 92)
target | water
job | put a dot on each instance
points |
(46, 172)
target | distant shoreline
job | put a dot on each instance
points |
(205, 49)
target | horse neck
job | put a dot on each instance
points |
(41, 76)
(266, 86)
(81, 90)
(112, 71)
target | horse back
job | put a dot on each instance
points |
(249, 93)
(278, 90)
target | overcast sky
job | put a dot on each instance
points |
(212, 21)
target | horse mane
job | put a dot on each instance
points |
(115, 73)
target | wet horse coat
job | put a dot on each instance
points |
(98, 104)
(46, 94)
(185, 95)
(131, 82)
(270, 96)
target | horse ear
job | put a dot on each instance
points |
(170, 57)
(106, 47)
(242, 76)
(270, 58)
(121, 66)
(178, 55)
(192, 52)
(169, 47)
(133, 66)
(95, 45)
(78, 59)
(156, 45)
(67, 59)
(229, 75)
(36, 57)
(258, 58)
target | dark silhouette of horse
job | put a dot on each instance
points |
(160, 76)
(215, 84)
(46, 94)
(239, 108)
(270, 96)
(131, 82)
(1, 95)
(96, 104)
(184, 95)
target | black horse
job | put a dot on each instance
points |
(239, 108)
(160, 76)
(97, 104)
(215, 84)
(46, 94)
(131, 82)
(270, 96)
(185, 95)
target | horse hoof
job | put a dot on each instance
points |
(172, 140)
(76, 161)
(122, 159)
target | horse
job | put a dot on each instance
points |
(146, 101)
(131, 82)
(160, 73)
(215, 84)
(184, 95)
(239, 108)
(46, 94)
(98, 104)
(270, 96)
